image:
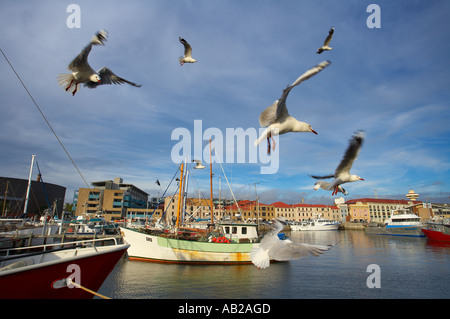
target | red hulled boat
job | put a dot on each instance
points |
(438, 231)
(48, 270)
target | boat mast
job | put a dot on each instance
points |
(210, 182)
(4, 198)
(179, 196)
(29, 186)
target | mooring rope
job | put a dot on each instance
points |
(51, 128)
(69, 281)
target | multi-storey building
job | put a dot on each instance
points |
(311, 211)
(375, 209)
(112, 199)
(250, 210)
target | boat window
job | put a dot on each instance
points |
(244, 230)
(227, 230)
(234, 230)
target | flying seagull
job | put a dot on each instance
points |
(326, 185)
(273, 248)
(342, 174)
(326, 43)
(276, 116)
(187, 53)
(83, 73)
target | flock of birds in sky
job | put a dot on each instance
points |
(275, 118)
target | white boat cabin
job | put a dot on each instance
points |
(240, 231)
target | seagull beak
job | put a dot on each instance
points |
(361, 179)
(313, 131)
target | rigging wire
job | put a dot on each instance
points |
(40, 111)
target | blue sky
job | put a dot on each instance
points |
(391, 81)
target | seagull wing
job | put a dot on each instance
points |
(329, 37)
(108, 77)
(272, 113)
(278, 109)
(187, 47)
(81, 60)
(311, 72)
(322, 184)
(287, 250)
(351, 153)
(321, 177)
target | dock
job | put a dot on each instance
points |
(352, 226)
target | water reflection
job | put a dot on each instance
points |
(410, 268)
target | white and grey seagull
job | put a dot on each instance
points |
(272, 247)
(326, 43)
(276, 117)
(342, 173)
(187, 58)
(83, 73)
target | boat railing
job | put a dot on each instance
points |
(13, 253)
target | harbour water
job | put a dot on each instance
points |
(409, 268)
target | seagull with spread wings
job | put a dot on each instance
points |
(272, 247)
(276, 117)
(326, 43)
(342, 173)
(83, 73)
(187, 58)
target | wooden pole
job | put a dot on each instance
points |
(210, 181)
(179, 197)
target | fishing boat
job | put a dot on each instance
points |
(438, 230)
(402, 222)
(58, 271)
(231, 245)
(227, 243)
(316, 224)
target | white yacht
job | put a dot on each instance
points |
(402, 222)
(316, 224)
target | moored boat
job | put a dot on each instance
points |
(316, 224)
(231, 246)
(439, 231)
(402, 222)
(42, 272)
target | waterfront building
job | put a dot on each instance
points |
(375, 209)
(42, 196)
(114, 199)
(283, 210)
(343, 208)
(248, 210)
(304, 212)
(198, 209)
(441, 211)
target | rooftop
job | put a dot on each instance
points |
(381, 201)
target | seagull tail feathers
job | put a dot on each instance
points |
(65, 80)
(260, 258)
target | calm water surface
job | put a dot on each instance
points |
(410, 268)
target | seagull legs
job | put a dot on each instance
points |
(335, 191)
(76, 89)
(269, 137)
(68, 87)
